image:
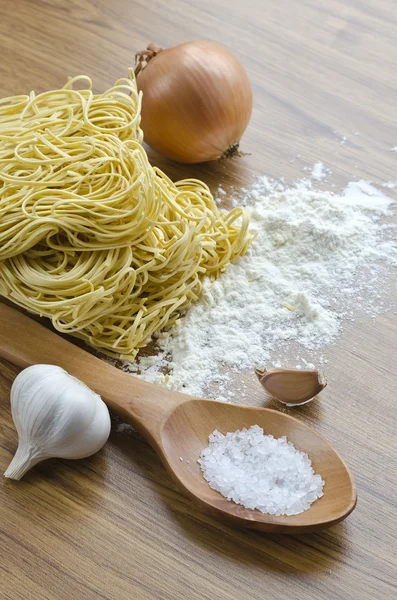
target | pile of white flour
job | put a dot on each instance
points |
(319, 258)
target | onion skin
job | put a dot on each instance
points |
(197, 102)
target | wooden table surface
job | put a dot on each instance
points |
(113, 526)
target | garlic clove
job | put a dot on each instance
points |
(292, 386)
(56, 415)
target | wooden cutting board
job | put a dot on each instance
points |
(113, 526)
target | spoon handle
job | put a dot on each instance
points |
(25, 342)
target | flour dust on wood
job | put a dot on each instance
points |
(318, 260)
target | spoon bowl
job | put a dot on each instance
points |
(178, 427)
(201, 417)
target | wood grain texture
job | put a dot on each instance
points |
(113, 526)
(178, 426)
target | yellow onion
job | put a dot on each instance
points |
(197, 100)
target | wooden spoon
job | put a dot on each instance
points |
(178, 427)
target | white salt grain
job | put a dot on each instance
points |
(260, 471)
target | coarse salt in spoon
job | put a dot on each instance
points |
(178, 427)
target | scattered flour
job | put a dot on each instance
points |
(260, 471)
(319, 258)
(319, 171)
(124, 428)
(342, 138)
(221, 192)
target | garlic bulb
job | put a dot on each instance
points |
(56, 415)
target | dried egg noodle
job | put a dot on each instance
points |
(91, 235)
